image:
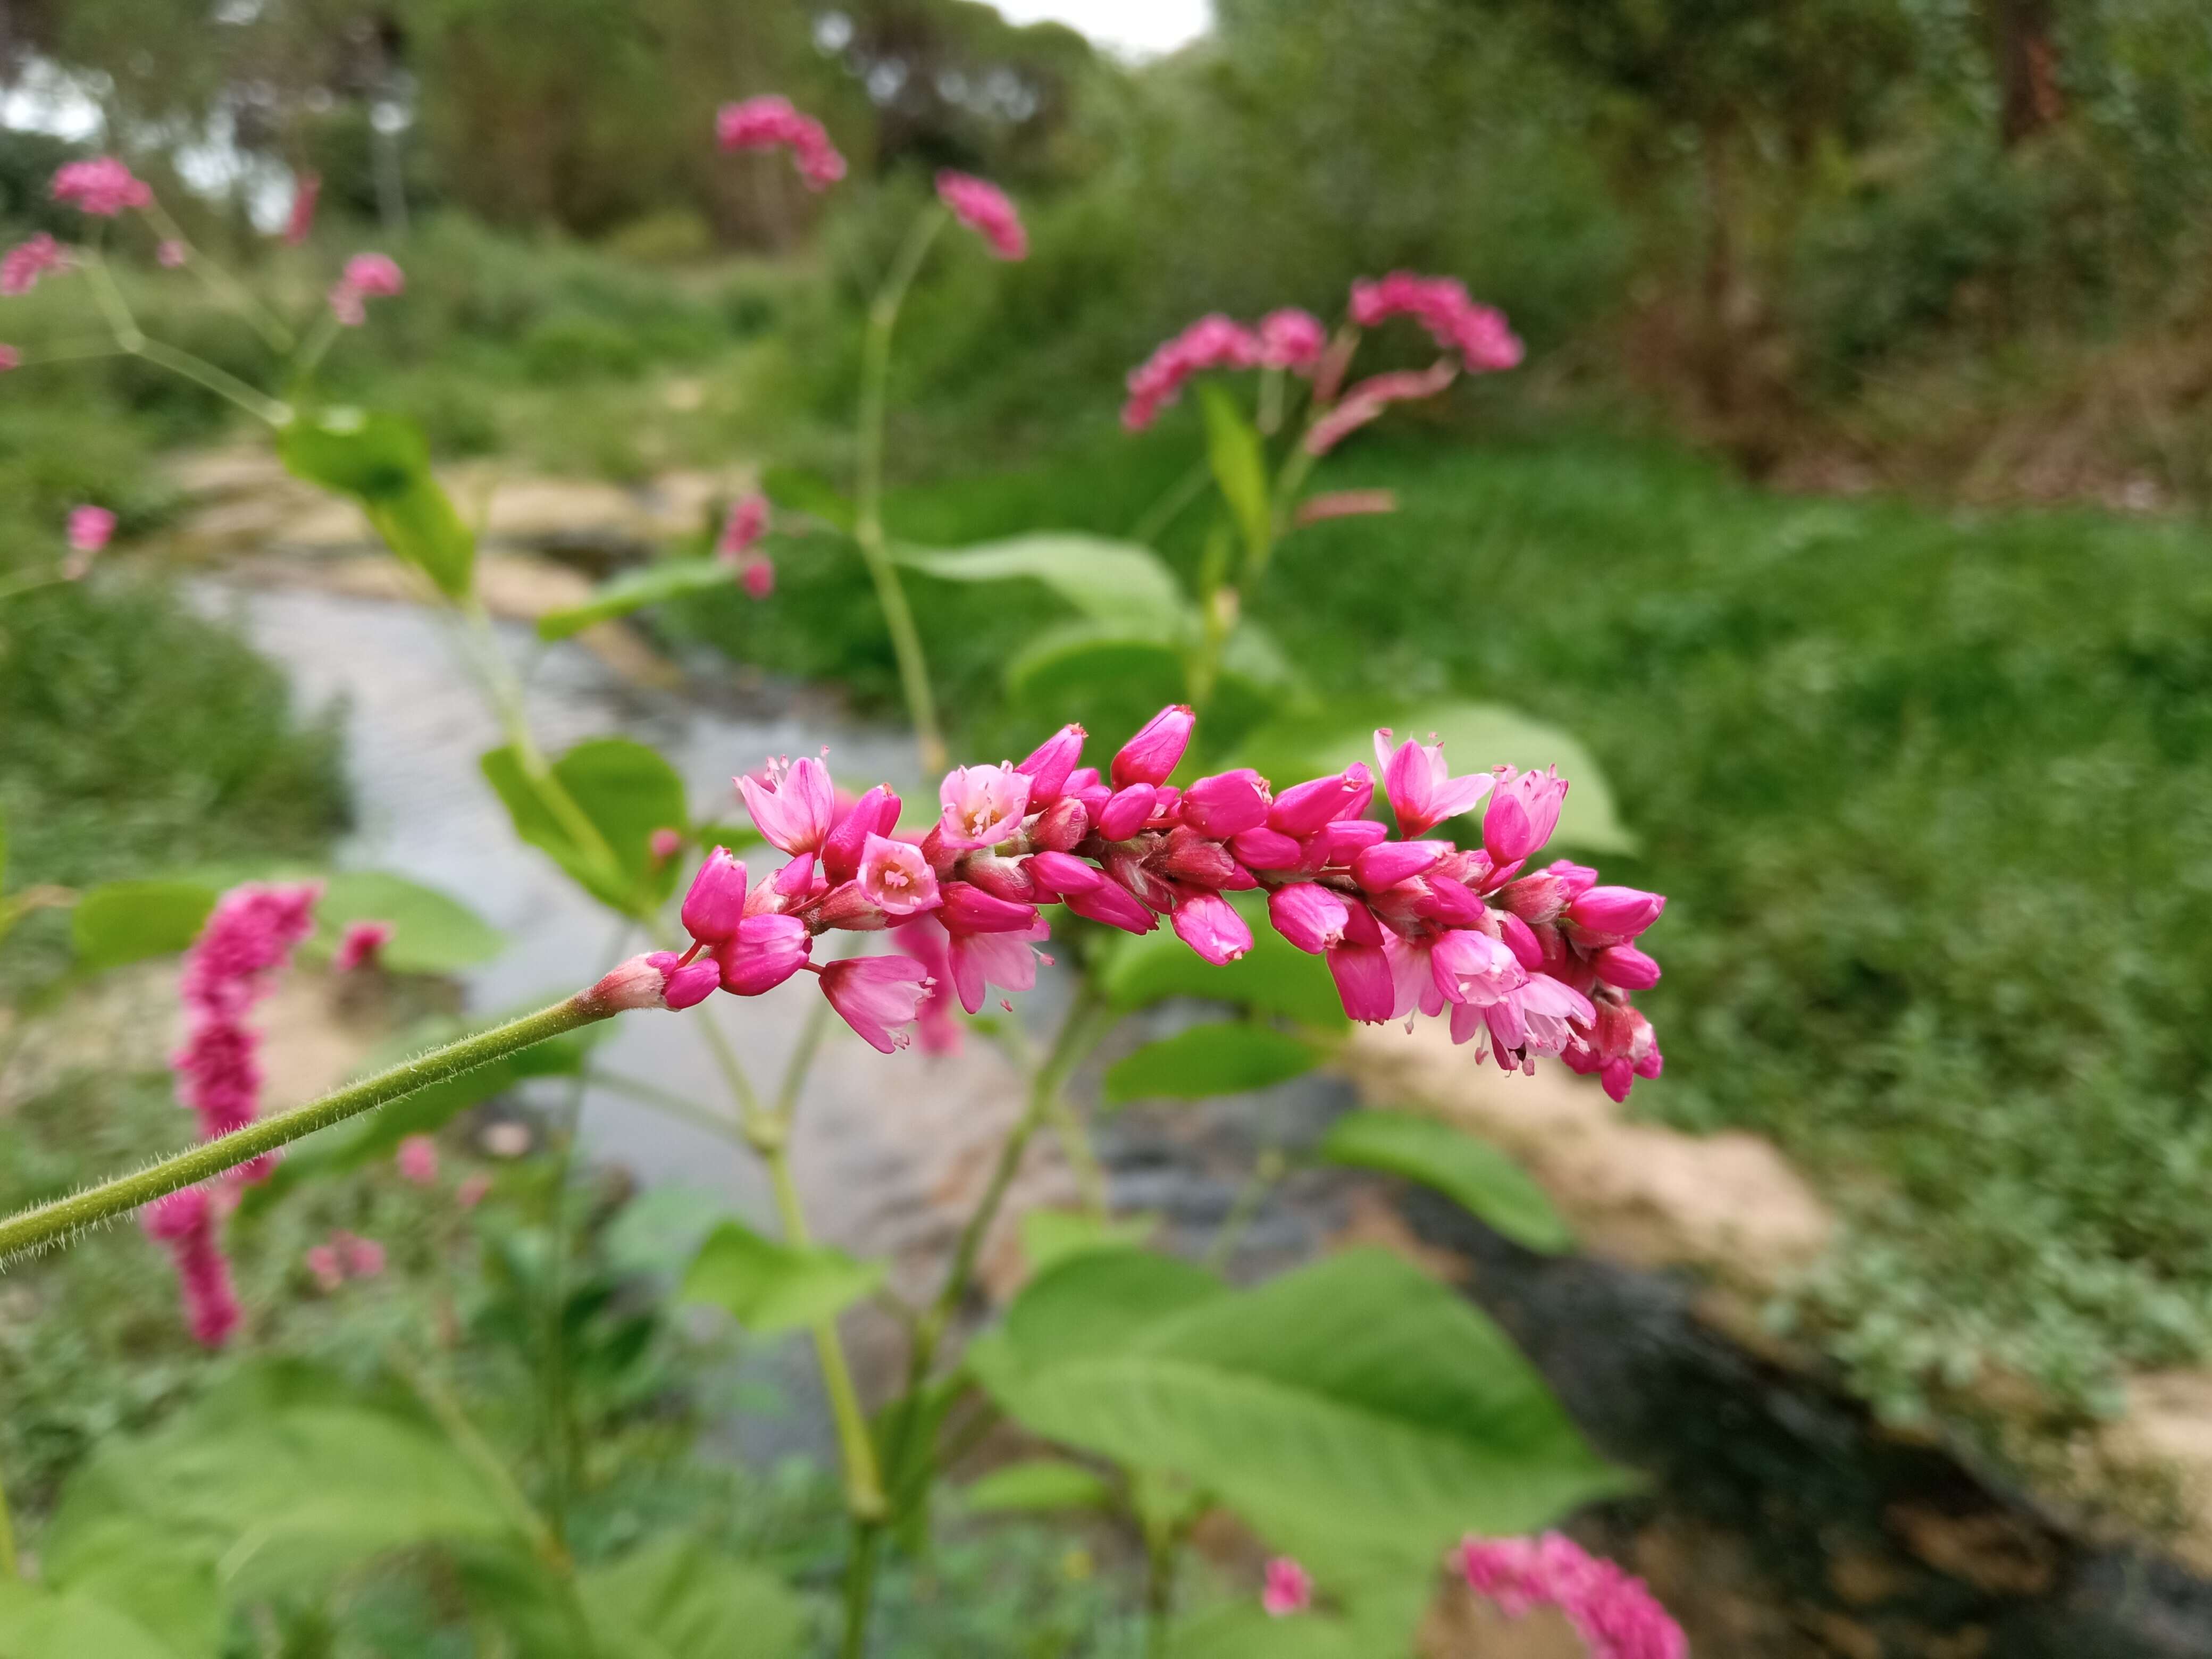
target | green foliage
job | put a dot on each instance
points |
(383, 462)
(1122, 587)
(431, 933)
(1471, 1173)
(121, 922)
(1239, 459)
(1039, 1484)
(625, 791)
(34, 1623)
(1050, 1237)
(1358, 1414)
(1275, 977)
(770, 1287)
(1227, 1058)
(676, 1597)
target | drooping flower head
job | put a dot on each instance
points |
(1477, 333)
(1292, 339)
(103, 187)
(1213, 342)
(1613, 1612)
(24, 264)
(770, 122)
(1366, 402)
(184, 1224)
(984, 209)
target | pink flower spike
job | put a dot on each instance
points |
(1367, 401)
(793, 805)
(171, 255)
(771, 123)
(744, 526)
(876, 813)
(103, 187)
(184, 1223)
(984, 209)
(1209, 924)
(1346, 504)
(896, 878)
(1213, 342)
(1615, 1615)
(1156, 750)
(1311, 917)
(306, 191)
(360, 945)
(89, 529)
(1422, 791)
(1523, 811)
(1050, 763)
(768, 949)
(23, 265)
(1289, 1589)
(417, 1160)
(1477, 333)
(1292, 339)
(716, 903)
(983, 804)
(1227, 804)
(878, 996)
(374, 276)
(1007, 960)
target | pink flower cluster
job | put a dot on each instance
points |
(1288, 338)
(184, 1224)
(1366, 402)
(366, 276)
(24, 264)
(1524, 964)
(742, 530)
(984, 209)
(102, 186)
(770, 122)
(1288, 1589)
(1612, 1611)
(362, 945)
(347, 1256)
(250, 935)
(1478, 333)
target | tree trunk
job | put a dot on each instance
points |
(2026, 60)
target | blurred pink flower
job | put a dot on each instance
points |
(1213, 342)
(985, 209)
(360, 945)
(770, 122)
(171, 254)
(1292, 339)
(1346, 504)
(470, 1193)
(250, 935)
(1366, 401)
(1477, 333)
(1614, 1613)
(745, 523)
(366, 276)
(757, 576)
(24, 264)
(184, 1223)
(665, 844)
(306, 191)
(89, 528)
(1289, 1589)
(417, 1160)
(9, 358)
(102, 186)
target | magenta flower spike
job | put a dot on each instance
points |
(793, 803)
(103, 187)
(1615, 1615)
(1477, 333)
(770, 122)
(416, 1160)
(1292, 339)
(184, 1224)
(1213, 342)
(249, 936)
(362, 945)
(879, 997)
(24, 264)
(985, 209)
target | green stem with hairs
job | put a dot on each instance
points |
(868, 522)
(45, 1225)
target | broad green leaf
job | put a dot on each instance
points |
(1473, 1174)
(1243, 1631)
(1227, 1058)
(679, 1598)
(633, 590)
(1117, 583)
(1089, 673)
(121, 922)
(35, 1624)
(432, 934)
(137, 1567)
(795, 490)
(1050, 1237)
(1355, 1412)
(1038, 1484)
(772, 1287)
(1240, 467)
(661, 1230)
(383, 462)
(1476, 736)
(627, 792)
(1274, 977)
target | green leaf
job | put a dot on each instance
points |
(627, 792)
(679, 1598)
(1476, 736)
(1224, 1058)
(135, 1566)
(432, 934)
(1355, 1412)
(1274, 977)
(1243, 1631)
(1038, 1484)
(1050, 1237)
(1069, 659)
(795, 490)
(661, 1230)
(1240, 467)
(633, 590)
(121, 922)
(1473, 1174)
(36, 1625)
(772, 1287)
(1117, 583)
(383, 462)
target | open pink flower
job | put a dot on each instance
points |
(793, 805)
(103, 187)
(1613, 1612)
(923, 937)
(1422, 791)
(770, 122)
(896, 878)
(879, 997)
(417, 1160)
(1523, 811)
(983, 804)
(984, 209)
(1007, 960)
(360, 945)
(25, 263)
(1289, 1589)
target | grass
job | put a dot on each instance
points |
(1932, 794)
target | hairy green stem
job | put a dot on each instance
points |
(44, 1225)
(868, 522)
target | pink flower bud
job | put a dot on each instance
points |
(876, 813)
(793, 803)
(1521, 939)
(1128, 811)
(665, 844)
(1579, 878)
(638, 983)
(1266, 849)
(768, 949)
(967, 909)
(1209, 924)
(716, 904)
(895, 877)
(1448, 903)
(1001, 877)
(1311, 917)
(1344, 839)
(1390, 862)
(1061, 874)
(1303, 808)
(1227, 804)
(846, 907)
(417, 1160)
(1364, 981)
(983, 804)
(1289, 1589)
(879, 997)
(90, 528)
(1113, 906)
(689, 985)
(1190, 857)
(1061, 826)
(1523, 811)
(757, 576)
(1050, 763)
(743, 526)
(1538, 897)
(1626, 968)
(1157, 748)
(1614, 914)
(360, 945)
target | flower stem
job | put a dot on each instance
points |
(130, 338)
(45, 1225)
(219, 282)
(868, 523)
(9, 1568)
